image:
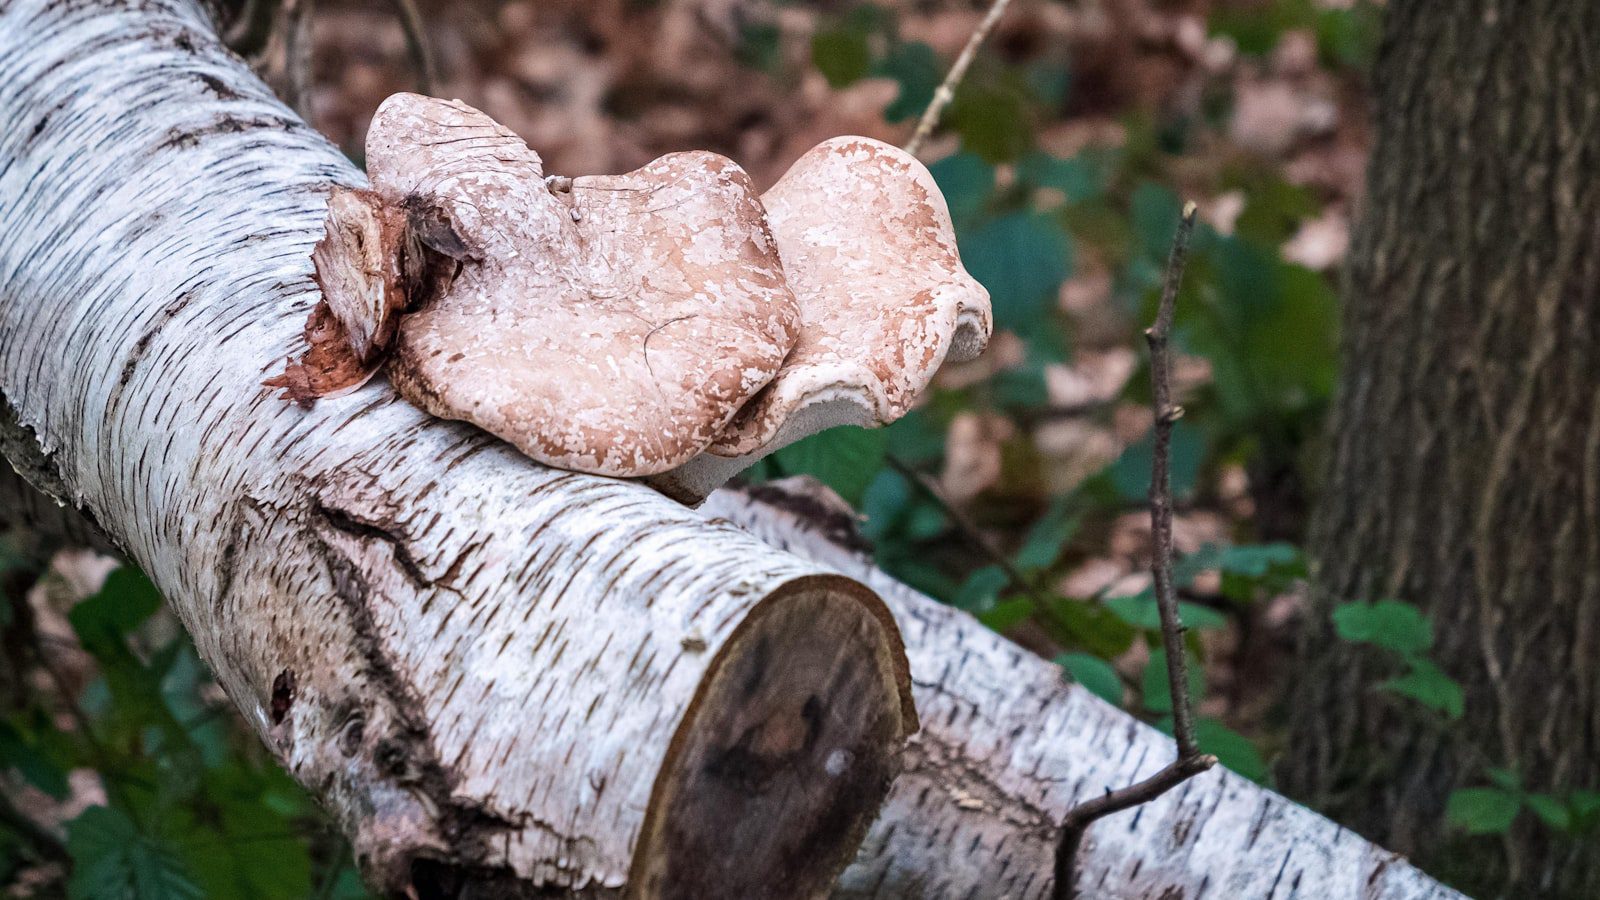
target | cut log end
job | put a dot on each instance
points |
(785, 754)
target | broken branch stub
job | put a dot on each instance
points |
(665, 323)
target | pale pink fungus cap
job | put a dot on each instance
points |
(665, 323)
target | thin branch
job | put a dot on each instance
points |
(417, 45)
(1161, 489)
(947, 89)
(1190, 761)
(1078, 819)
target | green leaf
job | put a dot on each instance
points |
(1584, 807)
(917, 438)
(1157, 696)
(1095, 674)
(992, 116)
(1081, 178)
(1023, 388)
(256, 854)
(112, 859)
(1231, 748)
(10, 558)
(841, 55)
(1482, 810)
(760, 46)
(1048, 536)
(122, 604)
(1350, 37)
(967, 183)
(1131, 472)
(917, 69)
(1550, 811)
(1007, 613)
(979, 592)
(917, 572)
(1090, 626)
(1267, 327)
(885, 504)
(1256, 560)
(1048, 82)
(1389, 624)
(17, 752)
(103, 623)
(1155, 210)
(1427, 684)
(1188, 566)
(1275, 209)
(845, 459)
(1022, 258)
(1142, 612)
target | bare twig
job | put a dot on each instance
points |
(947, 89)
(417, 45)
(1080, 817)
(1161, 488)
(1190, 761)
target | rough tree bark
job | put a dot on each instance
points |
(444, 605)
(1465, 470)
(488, 670)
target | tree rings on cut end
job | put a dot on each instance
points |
(784, 756)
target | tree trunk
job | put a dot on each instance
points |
(1465, 470)
(500, 677)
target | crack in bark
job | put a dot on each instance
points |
(407, 755)
(349, 523)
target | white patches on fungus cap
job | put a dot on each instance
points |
(614, 327)
(666, 322)
(870, 252)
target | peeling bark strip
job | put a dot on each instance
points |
(492, 673)
(1007, 747)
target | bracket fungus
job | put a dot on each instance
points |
(668, 323)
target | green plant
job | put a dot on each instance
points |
(1491, 809)
(1405, 632)
(193, 805)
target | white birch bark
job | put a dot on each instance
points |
(489, 655)
(488, 670)
(1007, 747)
